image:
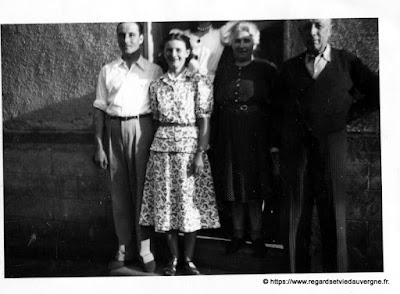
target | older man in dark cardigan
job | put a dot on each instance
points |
(318, 93)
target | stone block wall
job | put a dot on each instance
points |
(364, 212)
(55, 201)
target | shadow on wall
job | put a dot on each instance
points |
(72, 116)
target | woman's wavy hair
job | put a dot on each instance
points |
(246, 26)
(171, 37)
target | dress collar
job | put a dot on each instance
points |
(183, 76)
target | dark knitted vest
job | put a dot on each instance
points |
(322, 105)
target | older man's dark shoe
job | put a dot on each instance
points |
(259, 249)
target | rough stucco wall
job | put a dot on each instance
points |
(50, 73)
(359, 36)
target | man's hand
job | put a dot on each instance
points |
(100, 159)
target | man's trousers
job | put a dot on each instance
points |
(315, 171)
(129, 142)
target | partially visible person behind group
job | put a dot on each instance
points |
(207, 46)
(179, 193)
(244, 134)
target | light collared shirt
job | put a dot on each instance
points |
(123, 91)
(316, 64)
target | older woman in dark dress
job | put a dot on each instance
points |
(244, 135)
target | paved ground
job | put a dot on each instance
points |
(16, 268)
(210, 258)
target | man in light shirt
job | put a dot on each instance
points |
(318, 93)
(122, 110)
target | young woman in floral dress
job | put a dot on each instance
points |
(179, 192)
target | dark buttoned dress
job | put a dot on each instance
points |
(242, 133)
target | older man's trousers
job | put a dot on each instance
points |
(315, 170)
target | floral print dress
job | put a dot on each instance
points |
(174, 198)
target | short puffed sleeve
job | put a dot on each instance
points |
(204, 100)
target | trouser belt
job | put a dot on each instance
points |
(166, 124)
(125, 118)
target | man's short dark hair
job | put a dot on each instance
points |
(139, 24)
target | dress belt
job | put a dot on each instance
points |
(125, 118)
(240, 107)
(168, 124)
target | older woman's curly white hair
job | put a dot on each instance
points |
(246, 26)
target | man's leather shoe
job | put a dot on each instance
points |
(119, 260)
(148, 267)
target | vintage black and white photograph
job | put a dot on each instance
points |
(229, 147)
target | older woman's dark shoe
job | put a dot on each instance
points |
(170, 269)
(234, 245)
